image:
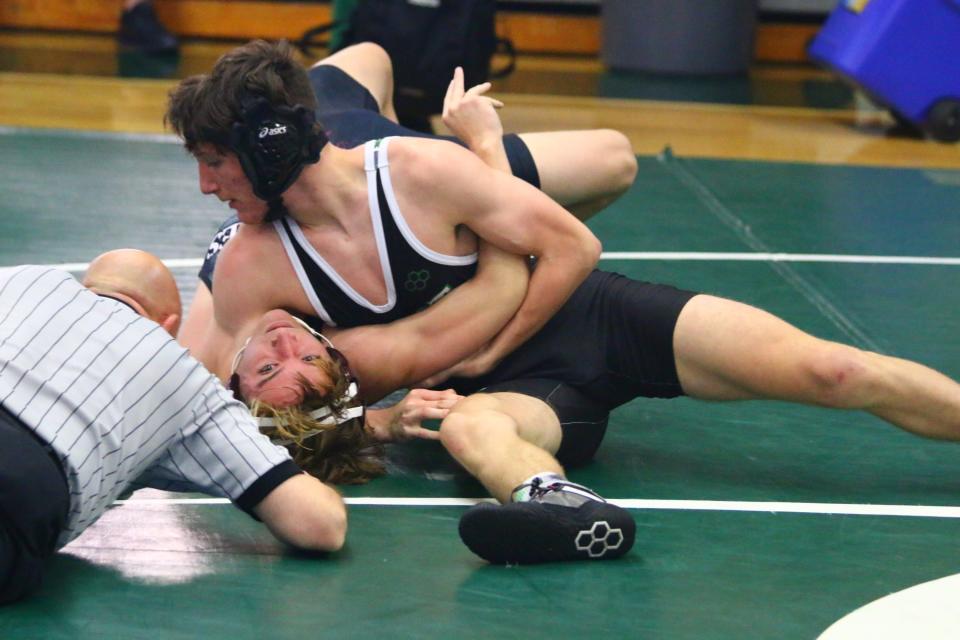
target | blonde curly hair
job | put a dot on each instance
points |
(335, 449)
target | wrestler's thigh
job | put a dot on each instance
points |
(727, 350)
(578, 166)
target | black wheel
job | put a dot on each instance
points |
(904, 127)
(943, 120)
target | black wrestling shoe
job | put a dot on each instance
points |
(140, 30)
(562, 521)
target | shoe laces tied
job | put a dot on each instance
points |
(573, 494)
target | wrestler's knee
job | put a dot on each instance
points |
(375, 55)
(472, 424)
(367, 54)
(840, 376)
(620, 160)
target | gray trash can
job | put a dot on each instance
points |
(679, 36)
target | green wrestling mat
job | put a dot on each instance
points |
(862, 255)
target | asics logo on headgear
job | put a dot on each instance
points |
(277, 130)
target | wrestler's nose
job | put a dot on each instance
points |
(284, 343)
(208, 183)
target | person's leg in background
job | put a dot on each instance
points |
(141, 30)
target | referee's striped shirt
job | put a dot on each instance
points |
(120, 403)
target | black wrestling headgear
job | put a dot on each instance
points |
(273, 144)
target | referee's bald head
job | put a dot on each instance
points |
(140, 279)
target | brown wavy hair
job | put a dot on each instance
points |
(342, 453)
(203, 108)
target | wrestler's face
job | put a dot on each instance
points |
(278, 353)
(221, 175)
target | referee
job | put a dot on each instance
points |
(97, 398)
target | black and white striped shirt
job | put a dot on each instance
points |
(119, 402)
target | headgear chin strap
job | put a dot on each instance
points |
(326, 419)
(273, 144)
(316, 334)
(275, 210)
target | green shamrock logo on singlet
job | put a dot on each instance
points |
(417, 280)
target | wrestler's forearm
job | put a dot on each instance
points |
(406, 351)
(492, 152)
(555, 279)
(470, 316)
(305, 513)
(473, 118)
(552, 282)
(380, 423)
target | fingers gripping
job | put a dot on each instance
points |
(425, 404)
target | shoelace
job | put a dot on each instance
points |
(538, 490)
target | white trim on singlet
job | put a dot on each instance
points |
(338, 280)
(301, 274)
(405, 230)
(375, 157)
(370, 154)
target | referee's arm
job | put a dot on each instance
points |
(305, 513)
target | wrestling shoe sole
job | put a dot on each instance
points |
(534, 532)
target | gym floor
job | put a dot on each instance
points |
(784, 189)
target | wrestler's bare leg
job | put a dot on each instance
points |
(368, 64)
(583, 170)
(727, 350)
(502, 439)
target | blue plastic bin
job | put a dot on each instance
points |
(903, 53)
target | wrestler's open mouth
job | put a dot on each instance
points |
(282, 324)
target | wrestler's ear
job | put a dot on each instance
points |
(171, 324)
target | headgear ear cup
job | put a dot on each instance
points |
(273, 144)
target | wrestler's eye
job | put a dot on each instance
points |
(210, 160)
(267, 368)
(310, 358)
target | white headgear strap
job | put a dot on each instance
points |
(239, 354)
(326, 419)
(314, 332)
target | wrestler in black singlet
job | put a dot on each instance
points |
(415, 277)
(612, 341)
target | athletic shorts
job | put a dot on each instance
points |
(34, 500)
(350, 116)
(611, 342)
